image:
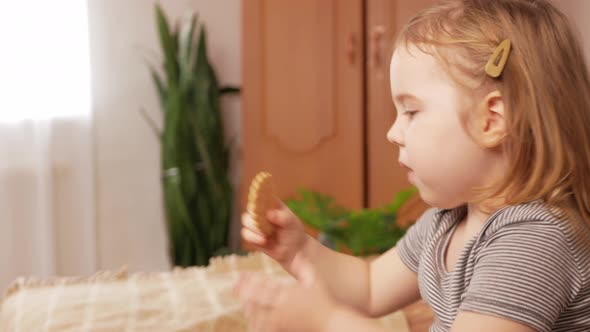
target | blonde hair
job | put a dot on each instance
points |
(545, 88)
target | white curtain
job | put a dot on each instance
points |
(46, 155)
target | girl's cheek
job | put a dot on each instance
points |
(416, 143)
(410, 133)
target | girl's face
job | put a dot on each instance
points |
(442, 160)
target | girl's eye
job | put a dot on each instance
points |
(410, 113)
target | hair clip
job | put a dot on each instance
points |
(495, 66)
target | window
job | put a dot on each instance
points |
(44, 61)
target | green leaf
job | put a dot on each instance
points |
(178, 213)
(160, 88)
(185, 58)
(168, 44)
(151, 123)
(187, 33)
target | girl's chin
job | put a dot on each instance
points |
(433, 198)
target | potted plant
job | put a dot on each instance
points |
(194, 157)
(363, 232)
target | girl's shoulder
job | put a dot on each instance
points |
(535, 214)
(540, 225)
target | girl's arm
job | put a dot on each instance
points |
(470, 321)
(374, 288)
(346, 321)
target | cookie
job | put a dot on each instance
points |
(261, 198)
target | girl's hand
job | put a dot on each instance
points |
(270, 306)
(285, 242)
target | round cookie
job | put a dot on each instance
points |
(261, 198)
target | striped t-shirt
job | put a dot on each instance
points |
(529, 264)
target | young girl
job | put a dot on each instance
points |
(493, 127)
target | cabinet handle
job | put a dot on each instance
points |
(376, 47)
(351, 48)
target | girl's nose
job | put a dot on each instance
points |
(394, 134)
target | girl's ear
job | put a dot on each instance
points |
(490, 124)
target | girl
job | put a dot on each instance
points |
(493, 126)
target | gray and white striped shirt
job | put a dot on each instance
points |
(529, 263)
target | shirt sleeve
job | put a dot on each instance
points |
(409, 248)
(527, 273)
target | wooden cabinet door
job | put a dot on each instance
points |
(302, 96)
(385, 18)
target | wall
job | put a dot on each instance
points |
(130, 217)
(578, 11)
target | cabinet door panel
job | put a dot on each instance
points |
(302, 96)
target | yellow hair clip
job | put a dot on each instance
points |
(495, 66)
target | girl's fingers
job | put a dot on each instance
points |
(250, 224)
(280, 217)
(253, 237)
(247, 221)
